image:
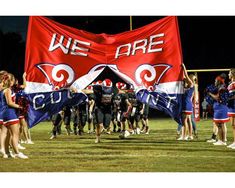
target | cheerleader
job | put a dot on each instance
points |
(10, 118)
(187, 106)
(220, 116)
(231, 103)
(20, 99)
(3, 75)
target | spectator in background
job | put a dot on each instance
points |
(204, 109)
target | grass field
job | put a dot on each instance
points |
(157, 152)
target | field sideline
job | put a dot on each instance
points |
(157, 152)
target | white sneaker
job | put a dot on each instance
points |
(142, 131)
(126, 134)
(97, 140)
(1, 152)
(137, 130)
(21, 156)
(29, 142)
(211, 141)
(52, 137)
(8, 155)
(21, 147)
(190, 138)
(231, 145)
(180, 138)
(22, 141)
(220, 143)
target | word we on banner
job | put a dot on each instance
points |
(150, 57)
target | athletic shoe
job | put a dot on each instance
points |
(21, 147)
(29, 142)
(126, 134)
(70, 130)
(67, 131)
(137, 130)
(8, 155)
(143, 130)
(108, 132)
(53, 137)
(147, 130)
(97, 140)
(190, 138)
(220, 143)
(22, 141)
(2, 152)
(231, 145)
(21, 156)
(5, 156)
(180, 138)
(211, 141)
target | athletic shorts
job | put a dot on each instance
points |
(104, 116)
(123, 118)
(134, 118)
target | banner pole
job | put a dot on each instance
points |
(130, 23)
(208, 70)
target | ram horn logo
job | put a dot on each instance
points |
(150, 75)
(59, 76)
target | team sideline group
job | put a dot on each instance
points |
(108, 102)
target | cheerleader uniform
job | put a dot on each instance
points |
(9, 115)
(220, 107)
(1, 120)
(231, 102)
(187, 104)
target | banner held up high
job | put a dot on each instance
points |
(58, 56)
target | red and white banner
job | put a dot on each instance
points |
(58, 56)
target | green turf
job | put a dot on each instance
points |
(157, 152)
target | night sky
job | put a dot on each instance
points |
(207, 41)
